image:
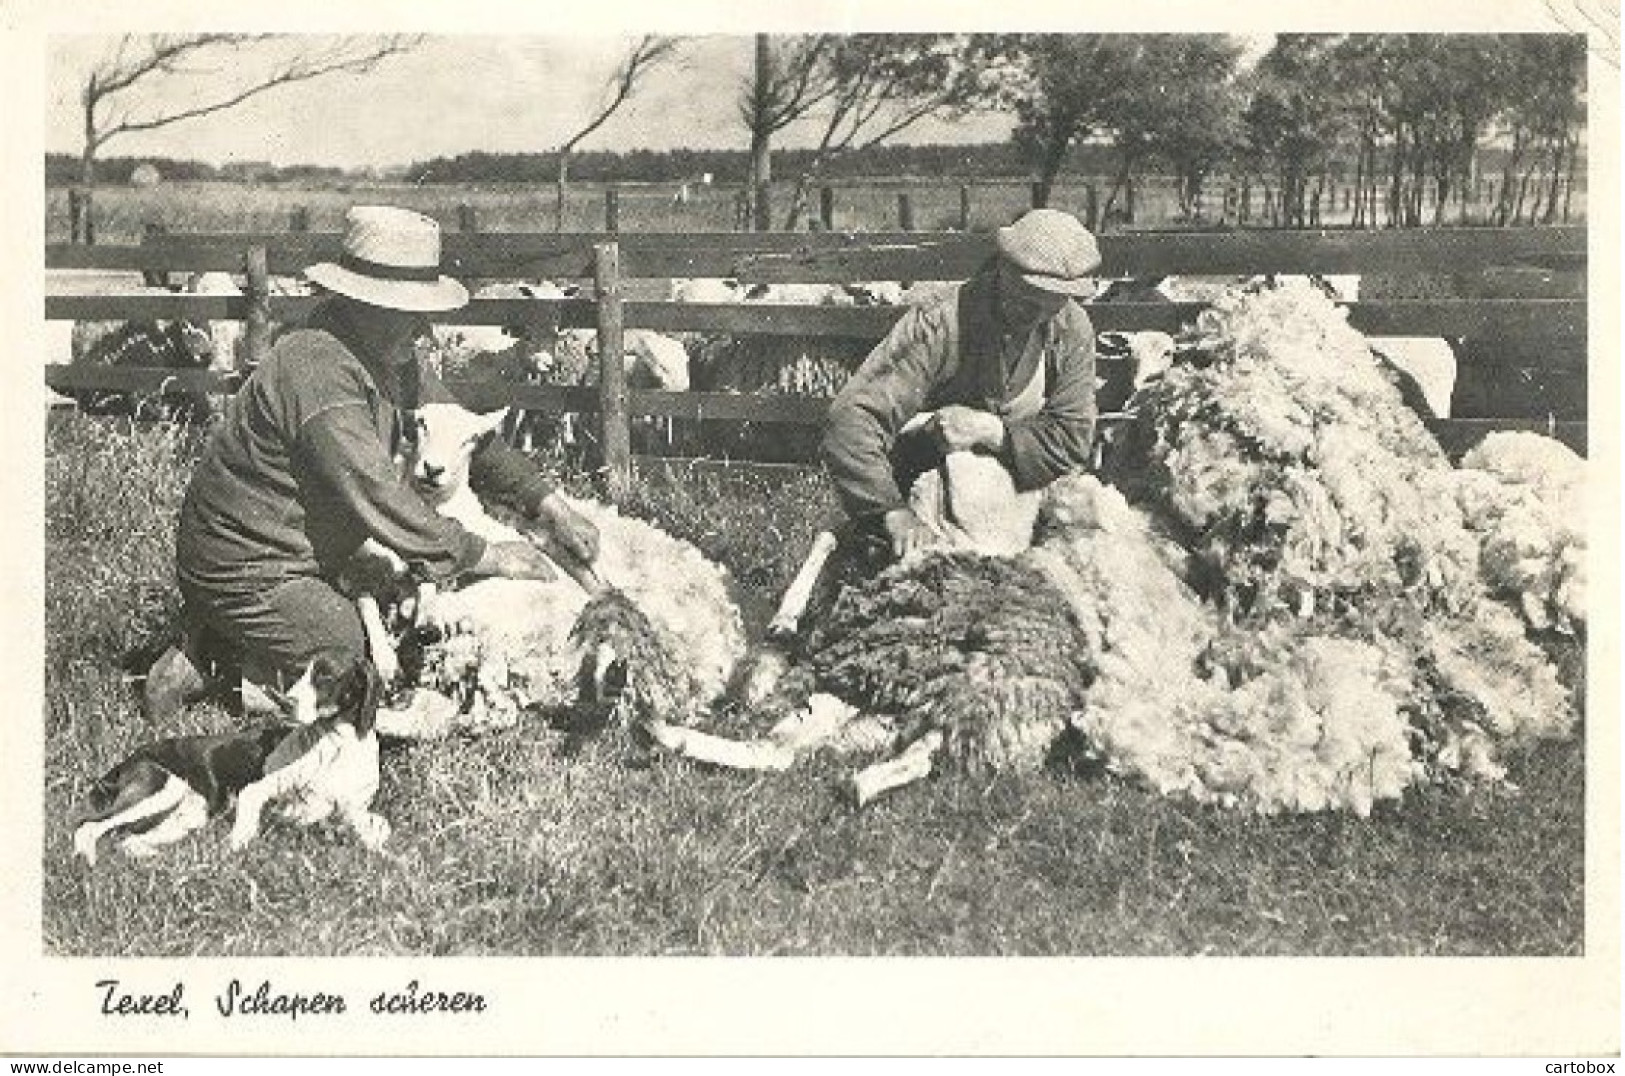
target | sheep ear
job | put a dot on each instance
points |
(493, 420)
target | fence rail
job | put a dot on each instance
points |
(1559, 323)
(1545, 333)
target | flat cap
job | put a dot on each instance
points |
(1051, 250)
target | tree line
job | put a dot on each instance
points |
(1402, 118)
(1408, 123)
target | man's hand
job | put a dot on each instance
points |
(959, 428)
(574, 535)
(907, 531)
(515, 560)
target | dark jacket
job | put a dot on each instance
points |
(303, 468)
(947, 351)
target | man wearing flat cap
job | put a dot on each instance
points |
(1005, 365)
(301, 470)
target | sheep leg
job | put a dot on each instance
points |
(794, 603)
(379, 645)
(412, 606)
(720, 751)
(821, 721)
(908, 767)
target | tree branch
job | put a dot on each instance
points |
(649, 52)
(166, 54)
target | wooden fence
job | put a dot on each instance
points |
(1512, 334)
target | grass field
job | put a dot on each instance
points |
(536, 841)
(869, 204)
(122, 212)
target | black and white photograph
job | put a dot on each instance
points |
(917, 531)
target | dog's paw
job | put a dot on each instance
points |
(84, 844)
(373, 830)
(241, 838)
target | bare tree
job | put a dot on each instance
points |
(785, 85)
(643, 56)
(879, 85)
(860, 89)
(115, 100)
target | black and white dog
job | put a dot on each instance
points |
(326, 761)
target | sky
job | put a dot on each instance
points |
(452, 95)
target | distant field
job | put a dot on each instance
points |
(867, 205)
(123, 211)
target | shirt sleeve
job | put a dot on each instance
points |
(340, 445)
(1060, 438)
(498, 472)
(886, 391)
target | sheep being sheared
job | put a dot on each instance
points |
(959, 651)
(992, 663)
(652, 614)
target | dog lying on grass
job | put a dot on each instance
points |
(326, 761)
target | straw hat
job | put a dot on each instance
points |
(391, 259)
(1051, 250)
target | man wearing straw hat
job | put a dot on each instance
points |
(302, 469)
(1003, 364)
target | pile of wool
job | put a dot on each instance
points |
(1313, 501)
(519, 645)
(1524, 496)
(1280, 720)
(1289, 462)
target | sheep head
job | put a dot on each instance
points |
(629, 663)
(446, 436)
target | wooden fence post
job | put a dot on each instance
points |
(612, 209)
(299, 219)
(82, 216)
(257, 326)
(905, 212)
(964, 207)
(467, 219)
(826, 208)
(1035, 195)
(614, 429)
(153, 278)
(1091, 207)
